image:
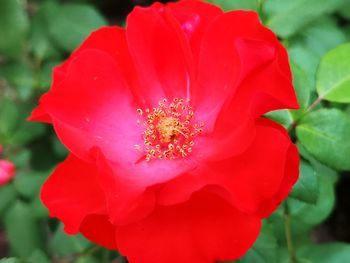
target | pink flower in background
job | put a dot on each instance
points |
(7, 170)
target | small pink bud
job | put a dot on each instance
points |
(7, 171)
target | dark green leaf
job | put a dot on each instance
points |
(72, 23)
(327, 253)
(38, 209)
(20, 76)
(9, 260)
(39, 40)
(345, 10)
(306, 189)
(288, 17)
(236, 4)
(13, 27)
(26, 132)
(7, 197)
(21, 158)
(59, 148)
(264, 249)
(315, 214)
(8, 118)
(38, 256)
(46, 74)
(86, 259)
(28, 184)
(325, 134)
(62, 244)
(23, 230)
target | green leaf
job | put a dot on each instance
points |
(28, 184)
(327, 253)
(13, 27)
(7, 197)
(345, 10)
(236, 4)
(283, 117)
(264, 249)
(9, 260)
(87, 259)
(325, 133)
(20, 76)
(307, 60)
(21, 158)
(46, 74)
(8, 118)
(323, 35)
(299, 260)
(288, 17)
(72, 23)
(38, 209)
(301, 85)
(39, 40)
(333, 75)
(304, 216)
(23, 230)
(38, 256)
(306, 189)
(315, 214)
(26, 132)
(59, 148)
(62, 244)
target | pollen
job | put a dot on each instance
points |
(170, 130)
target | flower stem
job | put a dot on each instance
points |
(288, 232)
(310, 108)
(314, 104)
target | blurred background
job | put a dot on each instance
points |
(313, 225)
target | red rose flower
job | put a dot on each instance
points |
(7, 170)
(170, 157)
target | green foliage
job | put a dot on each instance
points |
(236, 4)
(327, 253)
(325, 133)
(288, 17)
(73, 21)
(9, 260)
(307, 188)
(13, 27)
(313, 214)
(38, 256)
(20, 76)
(301, 85)
(23, 230)
(333, 76)
(264, 249)
(62, 244)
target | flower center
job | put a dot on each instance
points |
(169, 130)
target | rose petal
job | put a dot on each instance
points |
(194, 18)
(160, 53)
(130, 188)
(98, 229)
(259, 177)
(92, 107)
(205, 229)
(72, 193)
